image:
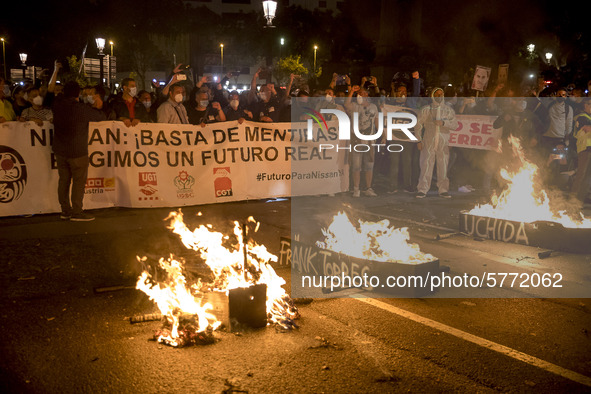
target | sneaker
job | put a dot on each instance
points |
(356, 193)
(65, 216)
(370, 193)
(420, 195)
(464, 189)
(445, 195)
(81, 217)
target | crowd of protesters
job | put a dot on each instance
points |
(553, 124)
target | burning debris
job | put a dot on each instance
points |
(377, 241)
(524, 199)
(240, 269)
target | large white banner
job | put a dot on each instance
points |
(162, 165)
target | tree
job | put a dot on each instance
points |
(72, 75)
(289, 65)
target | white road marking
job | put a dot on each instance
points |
(507, 351)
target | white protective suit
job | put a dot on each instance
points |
(435, 143)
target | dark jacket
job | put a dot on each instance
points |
(235, 114)
(524, 125)
(121, 111)
(70, 124)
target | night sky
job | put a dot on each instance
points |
(455, 35)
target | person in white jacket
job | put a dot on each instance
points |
(437, 119)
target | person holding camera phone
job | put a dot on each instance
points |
(266, 108)
(70, 145)
(235, 111)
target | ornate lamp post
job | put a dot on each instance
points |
(548, 57)
(269, 9)
(4, 55)
(531, 48)
(100, 44)
(23, 57)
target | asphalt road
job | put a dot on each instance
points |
(59, 335)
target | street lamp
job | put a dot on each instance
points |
(23, 57)
(100, 44)
(548, 57)
(315, 49)
(281, 43)
(4, 55)
(269, 9)
(111, 43)
(222, 56)
(531, 48)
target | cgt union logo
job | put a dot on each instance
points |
(222, 183)
(401, 121)
(147, 181)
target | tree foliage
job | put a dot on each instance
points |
(72, 74)
(289, 65)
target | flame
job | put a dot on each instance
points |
(175, 297)
(376, 241)
(523, 199)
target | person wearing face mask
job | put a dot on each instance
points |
(405, 163)
(127, 107)
(234, 111)
(6, 111)
(437, 119)
(172, 110)
(200, 111)
(145, 99)
(560, 123)
(91, 94)
(70, 146)
(368, 123)
(329, 102)
(36, 112)
(266, 107)
(520, 122)
(19, 100)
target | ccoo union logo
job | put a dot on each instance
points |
(99, 185)
(222, 183)
(13, 174)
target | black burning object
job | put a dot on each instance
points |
(248, 305)
(544, 234)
